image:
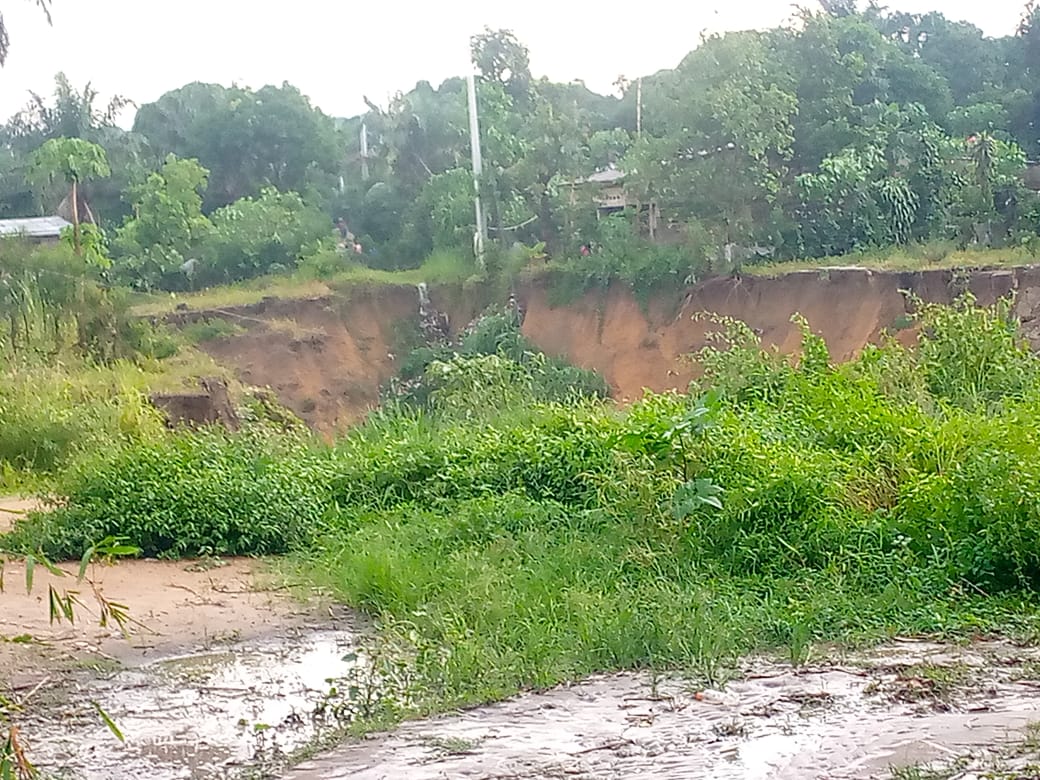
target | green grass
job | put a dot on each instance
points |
(439, 268)
(56, 411)
(916, 257)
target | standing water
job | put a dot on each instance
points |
(926, 708)
(206, 715)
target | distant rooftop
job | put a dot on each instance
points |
(33, 227)
(609, 176)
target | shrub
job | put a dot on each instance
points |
(491, 356)
(263, 235)
(551, 452)
(188, 494)
(50, 417)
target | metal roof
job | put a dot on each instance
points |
(608, 176)
(33, 227)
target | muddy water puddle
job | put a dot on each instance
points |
(904, 705)
(204, 715)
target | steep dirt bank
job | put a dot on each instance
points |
(636, 348)
(327, 357)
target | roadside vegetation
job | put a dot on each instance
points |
(77, 365)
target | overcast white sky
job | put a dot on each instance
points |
(338, 51)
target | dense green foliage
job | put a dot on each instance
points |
(844, 131)
(505, 543)
(506, 526)
(492, 356)
(50, 418)
(52, 298)
(76, 364)
(191, 494)
(794, 503)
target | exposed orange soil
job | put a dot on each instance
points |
(636, 349)
(326, 358)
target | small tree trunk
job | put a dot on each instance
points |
(75, 218)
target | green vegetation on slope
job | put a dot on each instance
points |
(505, 543)
(494, 359)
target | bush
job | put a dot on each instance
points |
(257, 236)
(546, 452)
(188, 494)
(618, 253)
(798, 501)
(492, 356)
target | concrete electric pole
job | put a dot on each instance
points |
(480, 235)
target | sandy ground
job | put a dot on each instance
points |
(174, 605)
(327, 357)
(13, 507)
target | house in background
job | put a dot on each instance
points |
(38, 230)
(606, 190)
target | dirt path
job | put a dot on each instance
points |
(216, 678)
(180, 605)
(901, 706)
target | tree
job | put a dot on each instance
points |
(839, 8)
(262, 235)
(74, 114)
(1025, 54)
(247, 140)
(720, 139)
(499, 56)
(72, 160)
(71, 113)
(840, 69)
(166, 227)
(5, 39)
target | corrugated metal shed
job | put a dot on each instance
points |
(33, 227)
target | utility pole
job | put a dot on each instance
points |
(639, 107)
(364, 152)
(480, 235)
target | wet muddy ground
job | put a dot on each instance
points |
(919, 707)
(221, 672)
(214, 714)
(233, 704)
